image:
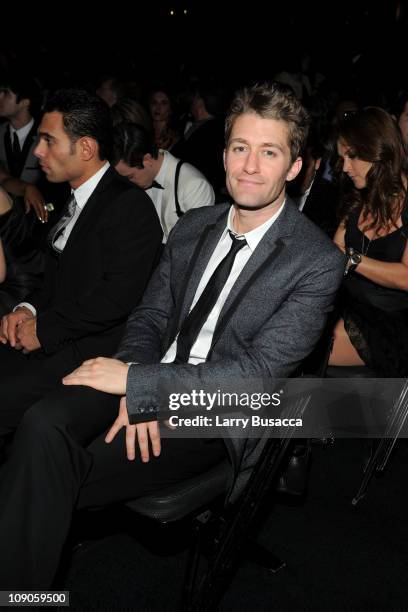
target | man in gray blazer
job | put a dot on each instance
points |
(241, 292)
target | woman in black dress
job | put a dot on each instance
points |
(373, 328)
(23, 260)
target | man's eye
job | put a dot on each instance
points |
(238, 149)
(269, 153)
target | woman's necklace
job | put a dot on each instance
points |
(364, 248)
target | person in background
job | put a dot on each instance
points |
(402, 116)
(20, 102)
(314, 195)
(162, 115)
(130, 111)
(373, 172)
(173, 186)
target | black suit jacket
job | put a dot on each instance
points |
(101, 274)
(321, 205)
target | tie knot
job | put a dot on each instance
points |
(71, 203)
(237, 243)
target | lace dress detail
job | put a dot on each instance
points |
(376, 317)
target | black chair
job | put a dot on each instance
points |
(382, 450)
(379, 450)
(221, 531)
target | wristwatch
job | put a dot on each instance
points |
(354, 258)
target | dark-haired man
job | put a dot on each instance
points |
(20, 173)
(314, 195)
(173, 186)
(98, 262)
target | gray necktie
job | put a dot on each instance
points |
(60, 227)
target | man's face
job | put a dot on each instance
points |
(142, 177)
(403, 123)
(59, 158)
(9, 107)
(258, 163)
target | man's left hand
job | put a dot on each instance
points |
(26, 335)
(102, 374)
(33, 198)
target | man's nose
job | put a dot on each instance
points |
(251, 162)
(39, 150)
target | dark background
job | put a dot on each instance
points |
(79, 41)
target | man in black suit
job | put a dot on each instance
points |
(315, 196)
(99, 259)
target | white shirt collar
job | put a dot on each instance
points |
(255, 236)
(161, 175)
(22, 132)
(84, 191)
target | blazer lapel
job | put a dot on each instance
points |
(87, 214)
(31, 136)
(205, 246)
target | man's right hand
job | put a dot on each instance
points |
(9, 325)
(143, 432)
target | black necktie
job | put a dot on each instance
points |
(199, 314)
(156, 185)
(60, 227)
(16, 155)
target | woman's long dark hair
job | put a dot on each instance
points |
(372, 135)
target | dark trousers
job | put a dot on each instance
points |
(59, 461)
(24, 379)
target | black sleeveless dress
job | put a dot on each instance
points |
(376, 317)
(24, 260)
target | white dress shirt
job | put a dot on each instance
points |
(155, 194)
(301, 200)
(82, 195)
(202, 345)
(193, 191)
(22, 132)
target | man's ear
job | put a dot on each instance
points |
(223, 158)
(294, 169)
(147, 160)
(88, 147)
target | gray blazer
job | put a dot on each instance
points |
(269, 323)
